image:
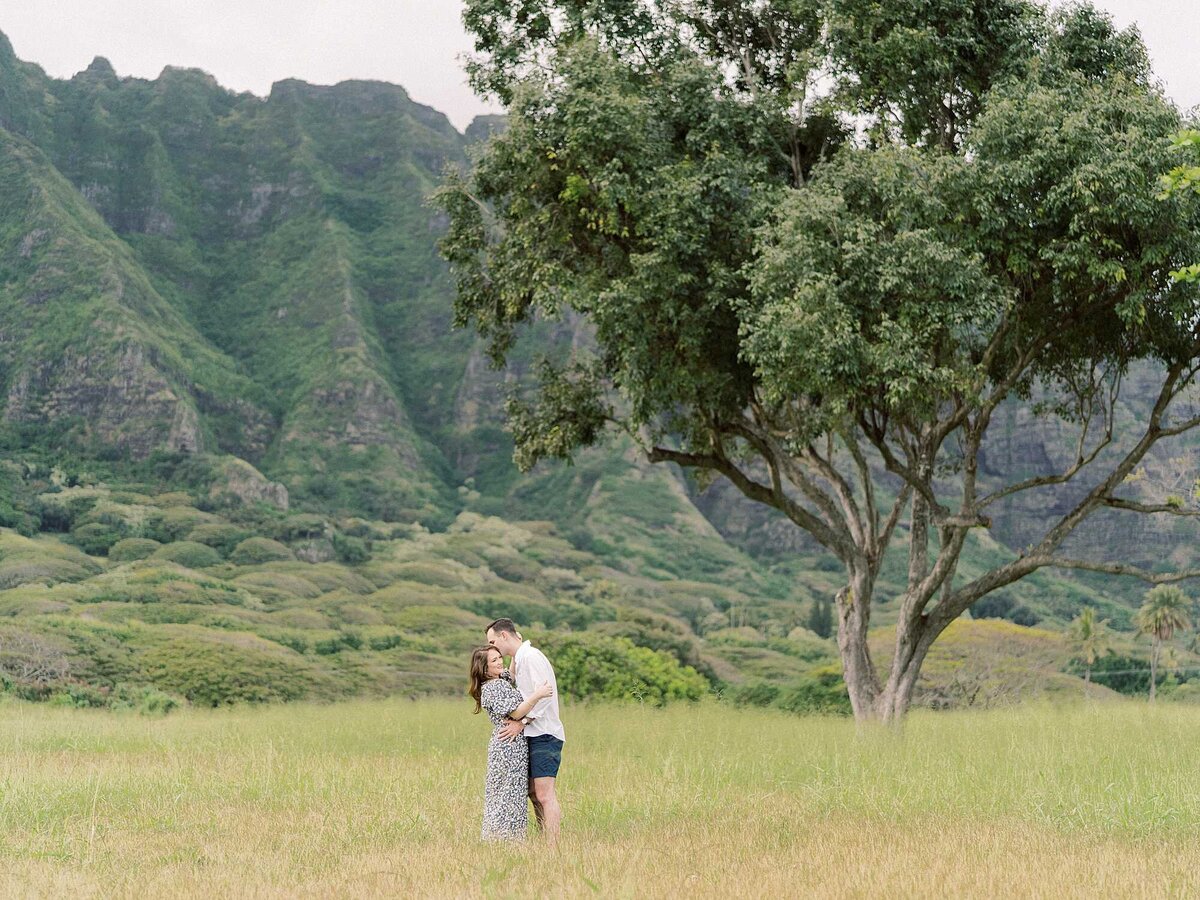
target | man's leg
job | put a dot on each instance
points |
(546, 805)
(538, 812)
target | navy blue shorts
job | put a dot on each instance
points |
(545, 754)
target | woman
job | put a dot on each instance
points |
(506, 790)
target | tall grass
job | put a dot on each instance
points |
(383, 799)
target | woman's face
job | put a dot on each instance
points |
(495, 664)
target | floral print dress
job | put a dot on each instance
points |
(506, 790)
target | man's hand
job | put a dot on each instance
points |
(511, 730)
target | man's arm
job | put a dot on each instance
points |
(520, 715)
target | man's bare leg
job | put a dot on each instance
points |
(538, 812)
(546, 806)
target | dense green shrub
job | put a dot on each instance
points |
(658, 632)
(616, 668)
(48, 570)
(350, 549)
(81, 696)
(278, 585)
(429, 573)
(131, 549)
(387, 641)
(215, 673)
(1124, 674)
(218, 535)
(516, 567)
(16, 509)
(174, 523)
(96, 538)
(148, 701)
(759, 693)
(1001, 605)
(58, 512)
(821, 690)
(524, 611)
(344, 640)
(257, 550)
(189, 554)
(299, 527)
(359, 528)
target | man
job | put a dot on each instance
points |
(542, 727)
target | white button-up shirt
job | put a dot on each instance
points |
(532, 669)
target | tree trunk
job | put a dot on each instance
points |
(854, 615)
(870, 700)
(1087, 675)
(1153, 666)
(902, 680)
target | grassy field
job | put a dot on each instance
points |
(383, 799)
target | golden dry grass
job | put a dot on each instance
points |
(382, 799)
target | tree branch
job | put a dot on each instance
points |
(868, 486)
(820, 530)
(1059, 562)
(893, 519)
(1081, 462)
(1167, 508)
(761, 439)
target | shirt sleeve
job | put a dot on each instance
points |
(499, 697)
(535, 669)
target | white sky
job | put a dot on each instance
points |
(249, 44)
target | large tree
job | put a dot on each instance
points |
(820, 243)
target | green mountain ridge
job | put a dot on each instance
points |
(285, 230)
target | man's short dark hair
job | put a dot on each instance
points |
(502, 626)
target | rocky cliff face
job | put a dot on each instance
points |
(228, 268)
(86, 339)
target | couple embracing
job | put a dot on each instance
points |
(527, 737)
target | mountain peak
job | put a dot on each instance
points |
(100, 66)
(100, 69)
(483, 127)
(180, 73)
(7, 55)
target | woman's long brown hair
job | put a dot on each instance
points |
(477, 674)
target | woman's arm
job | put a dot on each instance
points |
(542, 691)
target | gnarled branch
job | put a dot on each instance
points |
(822, 531)
(1109, 568)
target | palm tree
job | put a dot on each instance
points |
(1089, 640)
(1165, 611)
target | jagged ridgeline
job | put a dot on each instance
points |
(190, 269)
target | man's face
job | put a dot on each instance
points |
(503, 641)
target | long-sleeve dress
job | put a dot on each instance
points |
(506, 790)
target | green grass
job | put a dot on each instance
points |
(383, 798)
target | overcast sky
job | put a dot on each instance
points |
(249, 44)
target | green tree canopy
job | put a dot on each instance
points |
(819, 243)
(1185, 179)
(1089, 640)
